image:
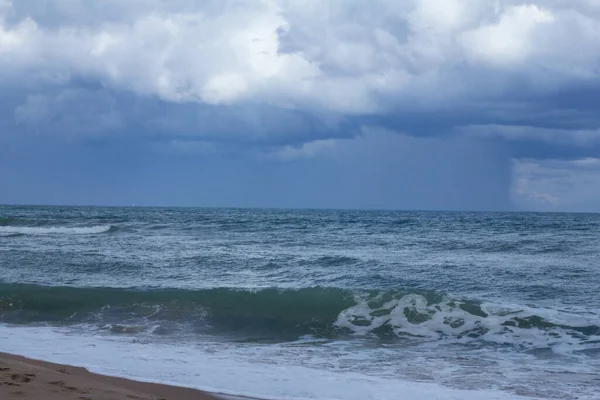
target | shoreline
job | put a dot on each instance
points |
(28, 379)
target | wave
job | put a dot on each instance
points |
(437, 317)
(9, 221)
(12, 221)
(524, 246)
(55, 230)
(286, 314)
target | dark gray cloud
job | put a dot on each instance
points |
(380, 170)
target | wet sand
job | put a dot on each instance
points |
(25, 379)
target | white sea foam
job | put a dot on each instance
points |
(193, 367)
(446, 319)
(54, 230)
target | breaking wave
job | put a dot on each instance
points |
(54, 230)
(286, 314)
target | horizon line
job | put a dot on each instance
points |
(279, 208)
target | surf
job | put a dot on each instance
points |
(403, 316)
(55, 230)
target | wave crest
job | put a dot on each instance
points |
(437, 317)
(55, 230)
(288, 314)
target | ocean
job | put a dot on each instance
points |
(309, 304)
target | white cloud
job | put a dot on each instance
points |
(587, 162)
(179, 56)
(336, 55)
(551, 185)
(509, 41)
(224, 88)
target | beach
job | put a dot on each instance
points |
(27, 379)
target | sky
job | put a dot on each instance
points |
(379, 104)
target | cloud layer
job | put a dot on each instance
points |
(340, 56)
(289, 79)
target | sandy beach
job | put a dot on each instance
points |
(25, 379)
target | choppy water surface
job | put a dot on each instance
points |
(458, 304)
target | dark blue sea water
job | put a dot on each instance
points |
(309, 304)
